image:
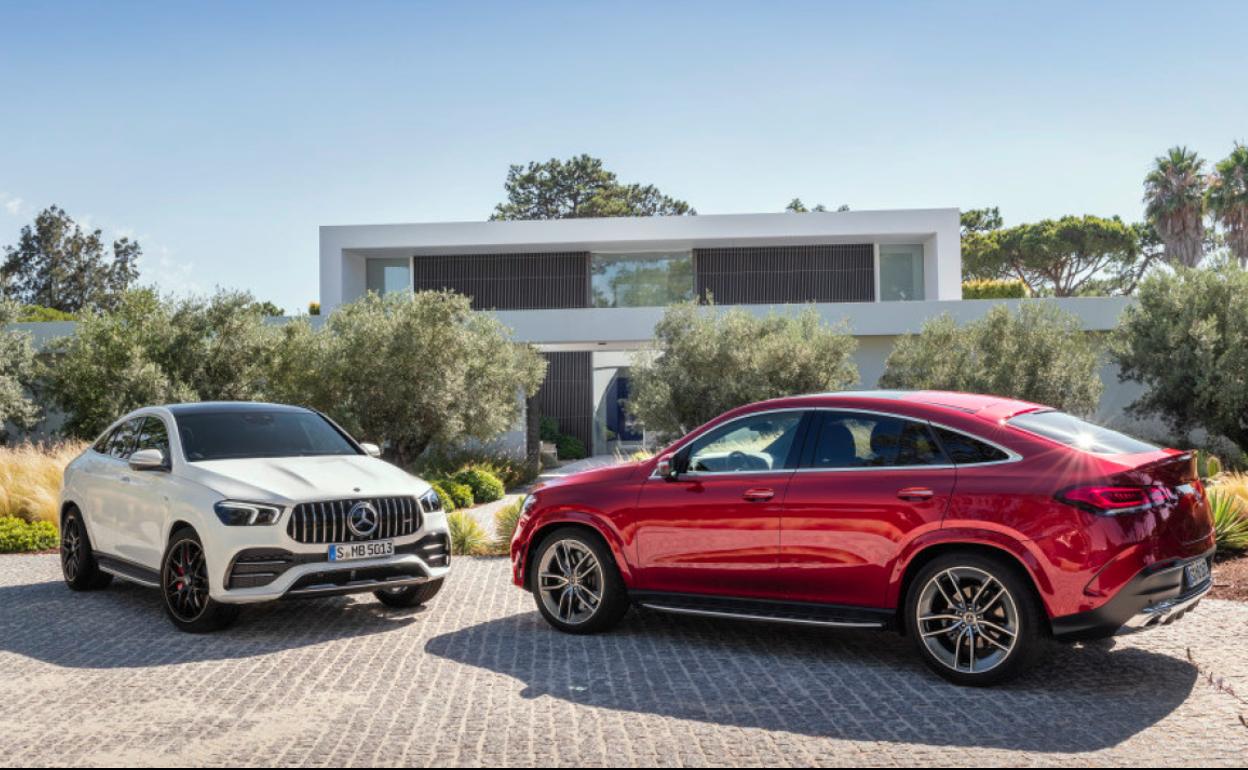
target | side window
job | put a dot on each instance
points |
(758, 442)
(121, 443)
(968, 451)
(154, 436)
(853, 440)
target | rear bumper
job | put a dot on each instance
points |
(1152, 598)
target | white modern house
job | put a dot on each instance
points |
(588, 292)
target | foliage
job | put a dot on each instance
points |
(1234, 484)
(485, 486)
(448, 502)
(1186, 341)
(314, 308)
(579, 187)
(1062, 257)
(707, 361)
(408, 371)
(1208, 465)
(441, 462)
(505, 522)
(797, 207)
(19, 371)
(549, 428)
(58, 265)
(459, 492)
(468, 537)
(570, 447)
(1038, 353)
(1174, 204)
(19, 536)
(1227, 198)
(220, 347)
(987, 288)
(40, 314)
(30, 479)
(1230, 521)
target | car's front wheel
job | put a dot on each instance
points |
(184, 585)
(78, 564)
(974, 620)
(409, 596)
(577, 584)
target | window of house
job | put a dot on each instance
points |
(385, 276)
(652, 279)
(901, 272)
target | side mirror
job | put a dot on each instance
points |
(670, 467)
(147, 460)
(372, 450)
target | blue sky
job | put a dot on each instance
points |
(223, 134)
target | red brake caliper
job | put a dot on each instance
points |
(180, 568)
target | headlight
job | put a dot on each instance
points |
(236, 514)
(430, 502)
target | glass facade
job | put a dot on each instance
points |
(385, 276)
(653, 279)
(901, 271)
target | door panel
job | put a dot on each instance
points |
(103, 501)
(144, 498)
(867, 484)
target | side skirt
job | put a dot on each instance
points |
(127, 570)
(766, 611)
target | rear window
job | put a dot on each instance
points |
(1079, 434)
(233, 435)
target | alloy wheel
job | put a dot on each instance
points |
(967, 619)
(71, 550)
(186, 580)
(570, 581)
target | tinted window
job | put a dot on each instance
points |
(154, 435)
(755, 443)
(965, 450)
(1080, 434)
(231, 435)
(873, 441)
(121, 442)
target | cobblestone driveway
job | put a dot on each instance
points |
(477, 678)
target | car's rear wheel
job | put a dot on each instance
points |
(78, 564)
(577, 585)
(973, 619)
(184, 585)
(409, 596)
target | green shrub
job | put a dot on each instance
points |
(485, 486)
(448, 502)
(570, 447)
(1230, 521)
(505, 522)
(549, 429)
(512, 470)
(460, 493)
(20, 536)
(39, 313)
(468, 538)
(988, 288)
(1207, 464)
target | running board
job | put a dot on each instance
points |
(791, 613)
(128, 571)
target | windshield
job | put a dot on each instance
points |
(1080, 434)
(234, 435)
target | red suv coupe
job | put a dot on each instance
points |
(976, 525)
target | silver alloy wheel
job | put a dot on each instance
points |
(570, 582)
(71, 550)
(967, 619)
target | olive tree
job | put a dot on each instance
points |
(409, 371)
(18, 370)
(1186, 341)
(1038, 353)
(706, 361)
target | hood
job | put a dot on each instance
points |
(594, 475)
(296, 479)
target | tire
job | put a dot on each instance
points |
(410, 596)
(980, 644)
(184, 587)
(565, 551)
(78, 564)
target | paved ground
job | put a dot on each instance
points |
(102, 679)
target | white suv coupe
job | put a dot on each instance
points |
(224, 504)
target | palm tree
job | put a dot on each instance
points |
(1228, 200)
(1174, 202)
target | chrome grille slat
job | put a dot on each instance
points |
(325, 521)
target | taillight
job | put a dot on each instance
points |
(1112, 501)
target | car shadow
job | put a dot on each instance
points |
(124, 626)
(853, 685)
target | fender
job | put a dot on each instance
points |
(1023, 551)
(599, 523)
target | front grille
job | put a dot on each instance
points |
(326, 522)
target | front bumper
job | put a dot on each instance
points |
(268, 573)
(1152, 598)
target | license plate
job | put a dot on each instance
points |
(352, 551)
(1197, 572)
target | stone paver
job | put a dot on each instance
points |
(478, 678)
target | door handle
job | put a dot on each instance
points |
(759, 494)
(915, 493)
